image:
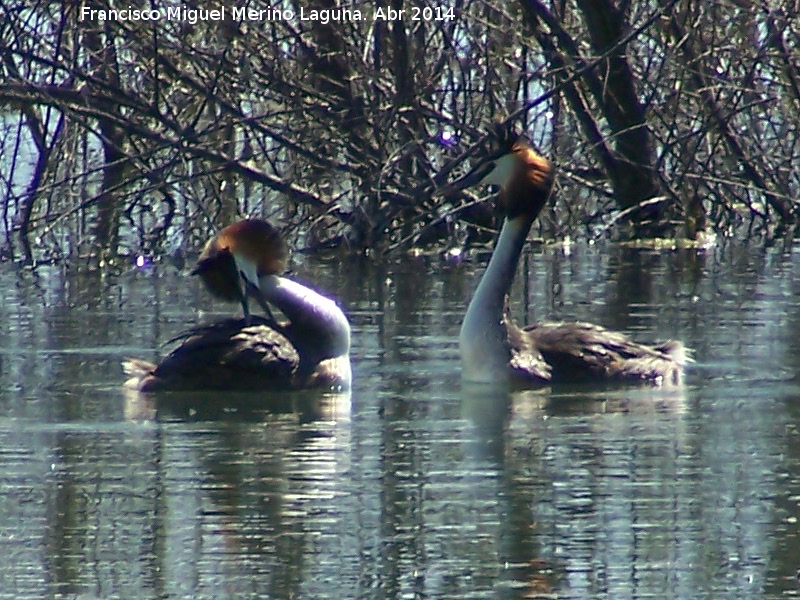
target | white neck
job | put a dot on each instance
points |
(483, 343)
(310, 310)
(247, 269)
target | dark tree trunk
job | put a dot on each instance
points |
(102, 65)
(632, 174)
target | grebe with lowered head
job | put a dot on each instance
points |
(495, 350)
(233, 260)
(311, 350)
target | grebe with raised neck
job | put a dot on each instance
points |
(493, 348)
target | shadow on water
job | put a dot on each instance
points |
(235, 406)
(491, 409)
(523, 435)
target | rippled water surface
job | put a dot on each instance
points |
(412, 486)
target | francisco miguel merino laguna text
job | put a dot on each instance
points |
(193, 15)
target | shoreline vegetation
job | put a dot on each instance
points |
(137, 133)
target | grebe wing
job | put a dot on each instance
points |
(581, 351)
(227, 355)
(526, 362)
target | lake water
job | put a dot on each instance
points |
(414, 485)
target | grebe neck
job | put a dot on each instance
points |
(483, 339)
(499, 275)
(317, 321)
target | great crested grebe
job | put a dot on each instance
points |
(310, 350)
(495, 350)
(233, 260)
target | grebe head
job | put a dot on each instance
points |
(524, 176)
(238, 256)
(217, 268)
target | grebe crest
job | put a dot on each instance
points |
(524, 176)
(233, 261)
